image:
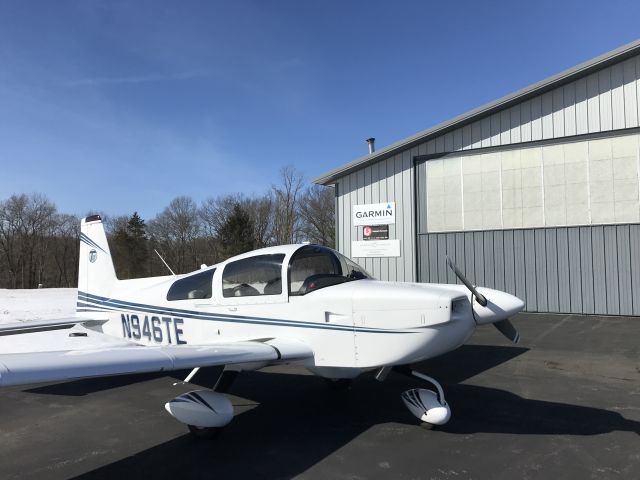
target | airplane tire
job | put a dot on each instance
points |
(204, 432)
(428, 426)
(339, 384)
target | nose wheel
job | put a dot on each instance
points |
(428, 406)
(205, 433)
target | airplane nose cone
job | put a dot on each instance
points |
(500, 305)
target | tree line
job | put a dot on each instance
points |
(39, 246)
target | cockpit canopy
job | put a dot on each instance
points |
(310, 268)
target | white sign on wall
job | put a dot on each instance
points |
(375, 248)
(374, 214)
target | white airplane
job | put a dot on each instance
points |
(303, 304)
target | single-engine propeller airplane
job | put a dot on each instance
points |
(304, 304)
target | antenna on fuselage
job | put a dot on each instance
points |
(165, 263)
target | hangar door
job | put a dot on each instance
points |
(539, 223)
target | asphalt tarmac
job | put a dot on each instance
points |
(564, 403)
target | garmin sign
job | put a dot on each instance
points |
(374, 214)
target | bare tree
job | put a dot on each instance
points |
(260, 211)
(214, 214)
(26, 222)
(175, 230)
(10, 224)
(286, 227)
(317, 214)
(65, 251)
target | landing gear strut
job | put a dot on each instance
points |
(428, 406)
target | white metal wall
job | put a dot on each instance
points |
(588, 182)
(605, 100)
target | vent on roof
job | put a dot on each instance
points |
(372, 145)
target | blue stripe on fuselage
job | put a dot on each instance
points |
(87, 301)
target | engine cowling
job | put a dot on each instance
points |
(201, 408)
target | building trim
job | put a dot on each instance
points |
(537, 143)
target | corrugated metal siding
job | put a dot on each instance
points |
(564, 270)
(603, 101)
(391, 180)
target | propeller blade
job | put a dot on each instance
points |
(479, 297)
(508, 330)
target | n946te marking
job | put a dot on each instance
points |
(153, 328)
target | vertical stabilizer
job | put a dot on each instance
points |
(96, 274)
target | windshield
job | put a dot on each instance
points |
(314, 267)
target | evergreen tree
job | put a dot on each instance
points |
(137, 246)
(129, 245)
(237, 233)
(119, 241)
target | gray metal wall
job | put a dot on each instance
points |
(391, 180)
(592, 270)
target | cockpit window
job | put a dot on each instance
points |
(313, 267)
(253, 276)
(352, 270)
(192, 287)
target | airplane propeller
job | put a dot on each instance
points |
(508, 330)
(479, 297)
(504, 326)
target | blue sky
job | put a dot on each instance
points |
(122, 105)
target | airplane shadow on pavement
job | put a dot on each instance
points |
(490, 410)
(299, 421)
(80, 388)
(453, 367)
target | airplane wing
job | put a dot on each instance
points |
(85, 353)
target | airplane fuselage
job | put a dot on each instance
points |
(353, 326)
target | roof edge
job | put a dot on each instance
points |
(566, 76)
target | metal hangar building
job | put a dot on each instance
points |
(537, 194)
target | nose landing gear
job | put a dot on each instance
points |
(428, 406)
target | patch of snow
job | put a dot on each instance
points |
(37, 304)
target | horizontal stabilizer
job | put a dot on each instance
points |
(46, 325)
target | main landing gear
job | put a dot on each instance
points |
(428, 406)
(205, 412)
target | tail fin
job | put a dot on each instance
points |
(96, 274)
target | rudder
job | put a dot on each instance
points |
(96, 274)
